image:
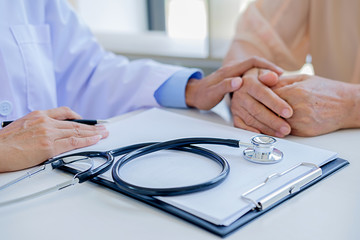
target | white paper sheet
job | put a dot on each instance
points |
(221, 205)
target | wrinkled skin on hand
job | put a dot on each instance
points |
(320, 105)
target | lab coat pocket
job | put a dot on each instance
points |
(34, 44)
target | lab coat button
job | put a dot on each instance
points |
(5, 108)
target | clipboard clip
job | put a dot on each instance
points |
(290, 188)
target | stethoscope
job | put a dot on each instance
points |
(260, 150)
(61, 162)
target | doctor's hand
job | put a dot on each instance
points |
(40, 135)
(255, 107)
(206, 93)
(320, 105)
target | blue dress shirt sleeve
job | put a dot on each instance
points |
(172, 92)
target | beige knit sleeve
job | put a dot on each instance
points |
(278, 29)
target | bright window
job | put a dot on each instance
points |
(186, 19)
(197, 29)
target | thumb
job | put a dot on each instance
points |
(218, 91)
(206, 96)
(229, 85)
(62, 113)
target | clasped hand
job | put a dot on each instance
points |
(302, 105)
(320, 105)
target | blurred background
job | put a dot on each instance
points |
(192, 33)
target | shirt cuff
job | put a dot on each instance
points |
(172, 92)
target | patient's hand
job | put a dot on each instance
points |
(320, 105)
(255, 107)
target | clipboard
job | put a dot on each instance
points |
(260, 206)
(222, 231)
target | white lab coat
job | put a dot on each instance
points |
(49, 58)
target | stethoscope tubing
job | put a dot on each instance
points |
(184, 144)
(132, 152)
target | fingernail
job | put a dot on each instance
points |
(235, 83)
(263, 72)
(286, 113)
(101, 126)
(285, 130)
(280, 70)
(97, 137)
(104, 132)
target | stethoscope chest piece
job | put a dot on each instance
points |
(263, 151)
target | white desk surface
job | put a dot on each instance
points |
(328, 210)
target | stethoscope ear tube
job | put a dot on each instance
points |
(93, 172)
(90, 173)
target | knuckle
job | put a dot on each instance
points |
(76, 130)
(35, 118)
(257, 90)
(237, 123)
(303, 93)
(88, 141)
(246, 78)
(254, 59)
(44, 131)
(66, 110)
(252, 105)
(238, 96)
(256, 112)
(222, 71)
(46, 144)
(248, 119)
(234, 107)
(37, 114)
(41, 120)
(73, 141)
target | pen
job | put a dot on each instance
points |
(83, 121)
